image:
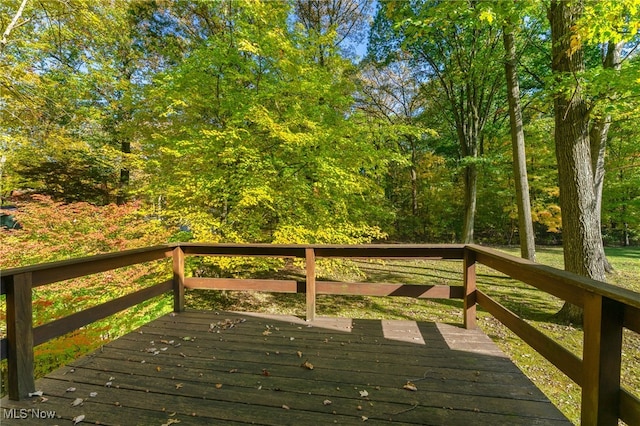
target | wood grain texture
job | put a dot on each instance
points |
(229, 368)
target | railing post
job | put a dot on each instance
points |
(20, 337)
(602, 325)
(178, 279)
(469, 302)
(310, 259)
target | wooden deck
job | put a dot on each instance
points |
(206, 368)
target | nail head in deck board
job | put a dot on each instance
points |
(344, 365)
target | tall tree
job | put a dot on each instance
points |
(266, 132)
(582, 241)
(525, 222)
(462, 58)
(332, 24)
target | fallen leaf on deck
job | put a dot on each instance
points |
(108, 384)
(365, 418)
(43, 399)
(233, 370)
(93, 394)
(179, 386)
(78, 419)
(364, 393)
(170, 422)
(218, 385)
(36, 393)
(266, 333)
(286, 407)
(307, 365)
(299, 354)
(410, 386)
(70, 390)
(265, 372)
(158, 368)
(77, 401)
(326, 402)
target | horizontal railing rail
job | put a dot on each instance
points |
(608, 309)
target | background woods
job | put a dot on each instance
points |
(268, 121)
(126, 124)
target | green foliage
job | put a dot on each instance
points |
(282, 164)
(54, 231)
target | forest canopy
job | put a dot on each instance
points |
(313, 122)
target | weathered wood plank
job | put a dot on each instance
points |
(234, 368)
(602, 357)
(72, 322)
(47, 273)
(266, 285)
(469, 294)
(629, 408)
(566, 361)
(20, 378)
(389, 289)
(178, 279)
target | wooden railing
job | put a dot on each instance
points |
(608, 309)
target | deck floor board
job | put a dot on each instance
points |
(246, 368)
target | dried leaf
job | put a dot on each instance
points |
(170, 422)
(326, 402)
(265, 372)
(93, 394)
(108, 384)
(410, 386)
(307, 365)
(44, 399)
(179, 385)
(218, 385)
(233, 370)
(286, 407)
(299, 354)
(71, 389)
(77, 401)
(78, 419)
(364, 394)
(158, 368)
(365, 418)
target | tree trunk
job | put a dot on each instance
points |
(525, 223)
(470, 196)
(598, 140)
(124, 176)
(581, 236)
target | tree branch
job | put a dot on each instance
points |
(13, 24)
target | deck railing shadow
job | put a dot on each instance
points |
(608, 309)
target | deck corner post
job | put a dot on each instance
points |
(20, 375)
(469, 302)
(602, 358)
(310, 260)
(178, 279)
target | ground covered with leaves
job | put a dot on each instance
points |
(537, 308)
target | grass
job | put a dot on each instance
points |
(538, 308)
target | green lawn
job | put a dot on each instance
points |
(535, 306)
